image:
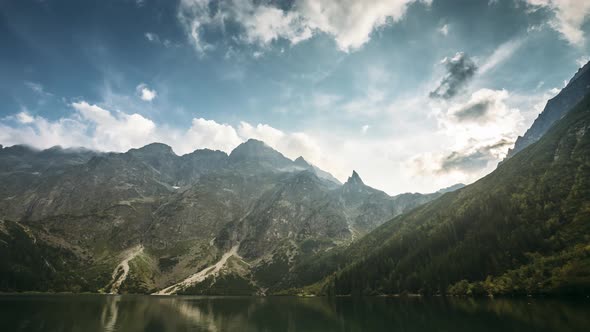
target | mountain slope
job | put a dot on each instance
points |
(556, 108)
(524, 228)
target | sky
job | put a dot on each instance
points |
(415, 95)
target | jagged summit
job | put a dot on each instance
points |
(354, 179)
(302, 162)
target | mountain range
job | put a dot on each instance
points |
(146, 220)
(256, 222)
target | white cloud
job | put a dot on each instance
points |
(208, 134)
(152, 37)
(364, 129)
(444, 30)
(145, 93)
(495, 120)
(24, 117)
(581, 61)
(114, 131)
(570, 16)
(501, 54)
(264, 24)
(42, 133)
(349, 22)
(482, 129)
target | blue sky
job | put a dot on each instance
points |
(414, 95)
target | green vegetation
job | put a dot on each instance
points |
(29, 263)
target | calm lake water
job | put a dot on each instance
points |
(87, 313)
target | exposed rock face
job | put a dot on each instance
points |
(183, 211)
(556, 108)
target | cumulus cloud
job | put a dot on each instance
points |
(146, 93)
(569, 17)
(459, 70)
(114, 131)
(349, 22)
(209, 134)
(483, 128)
(485, 117)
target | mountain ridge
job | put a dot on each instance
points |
(266, 211)
(555, 109)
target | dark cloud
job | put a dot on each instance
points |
(473, 112)
(460, 69)
(471, 161)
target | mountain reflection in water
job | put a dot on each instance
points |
(87, 313)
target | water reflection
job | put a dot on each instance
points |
(87, 313)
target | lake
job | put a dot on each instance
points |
(87, 313)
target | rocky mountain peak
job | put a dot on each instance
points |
(154, 148)
(252, 147)
(354, 179)
(302, 162)
(258, 152)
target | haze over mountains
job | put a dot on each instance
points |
(256, 222)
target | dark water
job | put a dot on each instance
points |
(87, 313)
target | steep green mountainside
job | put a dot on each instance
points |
(148, 220)
(523, 229)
